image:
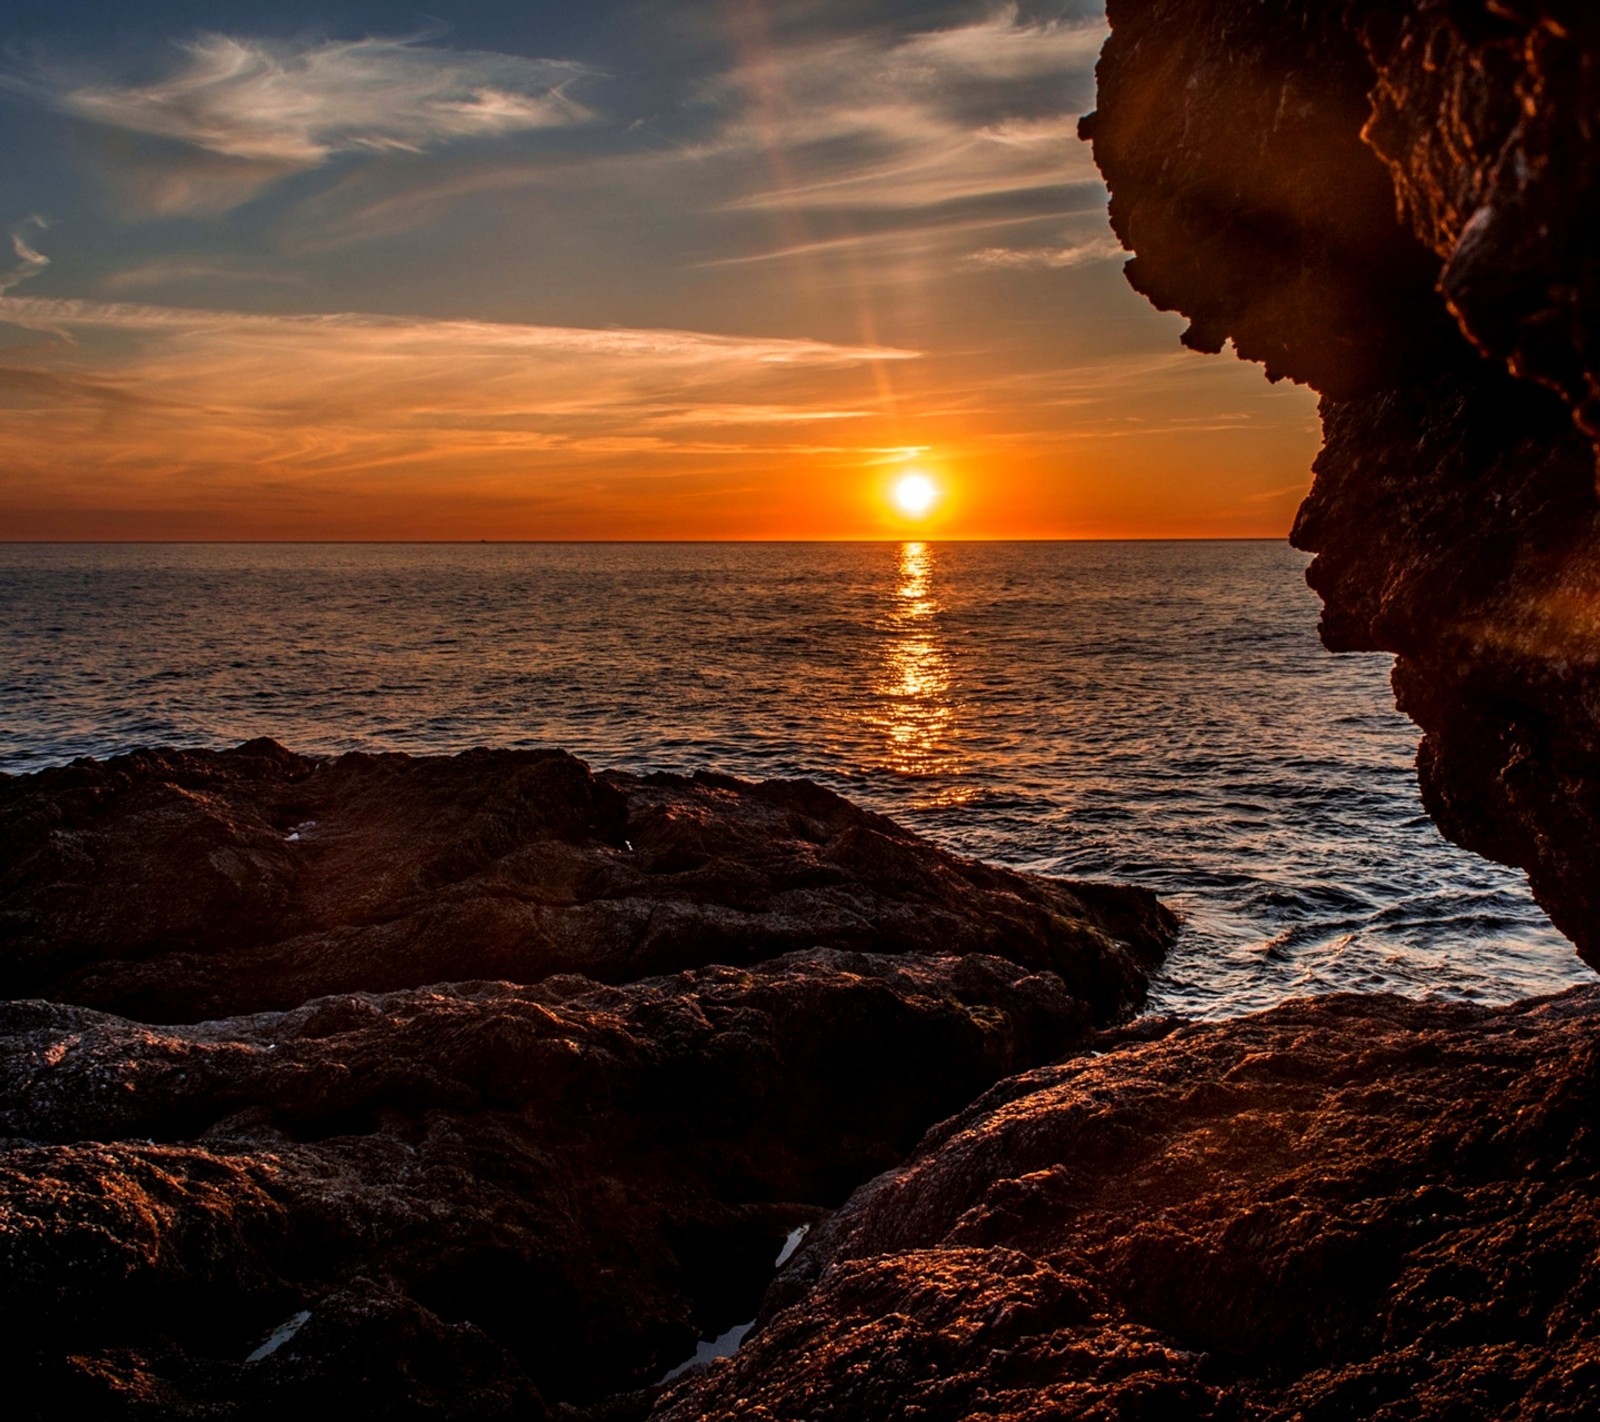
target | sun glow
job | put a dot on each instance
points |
(915, 494)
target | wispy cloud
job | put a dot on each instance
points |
(911, 121)
(30, 262)
(396, 332)
(746, 416)
(248, 112)
(182, 271)
(1074, 254)
(1295, 491)
(829, 134)
(897, 241)
(272, 102)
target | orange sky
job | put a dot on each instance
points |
(510, 282)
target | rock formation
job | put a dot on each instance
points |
(412, 1194)
(1343, 1208)
(550, 1190)
(1396, 204)
(176, 885)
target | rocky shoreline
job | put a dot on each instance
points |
(1347, 1207)
(532, 1194)
(487, 1084)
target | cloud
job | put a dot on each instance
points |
(1052, 131)
(867, 122)
(234, 115)
(896, 243)
(29, 262)
(1075, 254)
(170, 271)
(827, 125)
(752, 415)
(271, 102)
(331, 395)
(351, 332)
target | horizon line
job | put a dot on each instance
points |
(583, 542)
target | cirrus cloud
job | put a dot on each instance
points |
(232, 116)
(1102, 248)
(297, 105)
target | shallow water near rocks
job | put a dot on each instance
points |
(1160, 713)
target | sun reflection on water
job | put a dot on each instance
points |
(914, 708)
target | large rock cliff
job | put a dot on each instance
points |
(1395, 204)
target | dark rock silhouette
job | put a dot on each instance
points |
(177, 885)
(1396, 204)
(1349, 1207)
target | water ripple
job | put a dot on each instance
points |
(1154, 712)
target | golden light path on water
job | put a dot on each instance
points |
(1159, 714)
(914, 709)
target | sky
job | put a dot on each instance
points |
(625, 269)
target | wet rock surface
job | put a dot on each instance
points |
(1395, 204)
(179, 885)
(457, 1197)
(1352, 1207)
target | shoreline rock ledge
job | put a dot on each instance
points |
(531, 1196)
(487, 1085)
(175, 886)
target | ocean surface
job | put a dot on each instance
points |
(1159, 713)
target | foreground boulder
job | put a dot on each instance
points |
(411, 1164)
(463, 1201)
(1349, 1208)
(1395, 203)
(179, 885)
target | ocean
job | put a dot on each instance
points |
(1158, 713)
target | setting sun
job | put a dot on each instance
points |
(915, 494)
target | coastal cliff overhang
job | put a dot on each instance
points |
(1395, 204)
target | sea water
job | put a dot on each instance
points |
(1158, 713)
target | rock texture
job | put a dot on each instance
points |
(178, 885)
(1347, 1208)
(552, 1191)
(379, 1187)
(1396, 204)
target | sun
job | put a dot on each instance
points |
(914, 494)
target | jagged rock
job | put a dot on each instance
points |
(1348, 1207)
(463, 1201)
(179, 885)
(1230, 134)
(1488, 116)
(1396, 204)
